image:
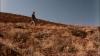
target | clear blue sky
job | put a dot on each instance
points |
(63, 11)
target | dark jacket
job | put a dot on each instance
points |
(33, 16)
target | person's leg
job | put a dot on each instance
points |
(32, 22)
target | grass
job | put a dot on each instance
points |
(47, 39)
(79, 33)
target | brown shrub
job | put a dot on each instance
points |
(6, 51)
(49, 52)
(3, 34)
(99, 28)
(79, 33)
(41, 35)
(21, 38)
(92, 53)
(72, 49)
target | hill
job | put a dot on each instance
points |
(20, 37)
(4, 17)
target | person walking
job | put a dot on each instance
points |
(34, 18)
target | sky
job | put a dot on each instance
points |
(86, 12)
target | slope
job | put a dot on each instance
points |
(19, 37)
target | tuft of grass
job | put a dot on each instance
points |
(41, 35)
(6, 51)
(79, 33)
(2, 34)
(21, 38)
(91, 53)
(72, 49)
(62, 48)
(18, 25)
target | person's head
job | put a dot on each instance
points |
(33, 13)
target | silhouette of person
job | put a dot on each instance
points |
(33, 16)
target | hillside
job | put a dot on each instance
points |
(4, 17)
(20, 37)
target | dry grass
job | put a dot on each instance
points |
(48, 39)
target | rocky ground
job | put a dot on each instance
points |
(23, 38)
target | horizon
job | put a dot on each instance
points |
(65, 11)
